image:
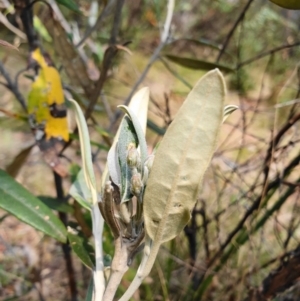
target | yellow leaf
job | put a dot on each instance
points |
(46, 101)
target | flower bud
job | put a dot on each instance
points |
(133, 156)
(136, 184)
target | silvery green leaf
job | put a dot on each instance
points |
(139, 105)
(85, 148)
(139, 132)
(127, 136)
(80, 192)
(113, 164)
(228, 110)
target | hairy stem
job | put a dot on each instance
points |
(118, 269)
(99, 280)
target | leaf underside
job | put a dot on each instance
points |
(182, 159)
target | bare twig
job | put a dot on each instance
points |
(272, 145)
(66, 246)
(106, 106)
(13, 87)
(266, 53)
(105, 12)
(108, 57)
(167, 25)
(278, 280)
(154, 57)
(12, 28)
(253, 208)
(234, 27)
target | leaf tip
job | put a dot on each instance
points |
(229, 110)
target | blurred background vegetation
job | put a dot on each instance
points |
(243, 239)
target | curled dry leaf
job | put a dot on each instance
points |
(182, 159)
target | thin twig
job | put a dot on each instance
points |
(234, 27)
(253, 208)
(154, 57)
(105, 12)
(110, 53)
(278, 280)
(137, 83)
(107, 61)
(13, 87)
(167, 25)
(106, 106)
(12, 28)
(266, 53)
(271, 149)
(66, 246)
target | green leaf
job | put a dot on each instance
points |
(90, 291)
(200, 42)
(41, 29)
(80, 192)
(182, 159)
(14, 167)
(82, 248)
(289, 4)
(70, 4)
(56, 204)
(196, 64)
(15, 199)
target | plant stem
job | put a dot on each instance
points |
(13, 87)
(98, 275)
(109, 55)
(154, 57)
(118, 269)
(231, 32)
(66, 246)
(140, 274)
